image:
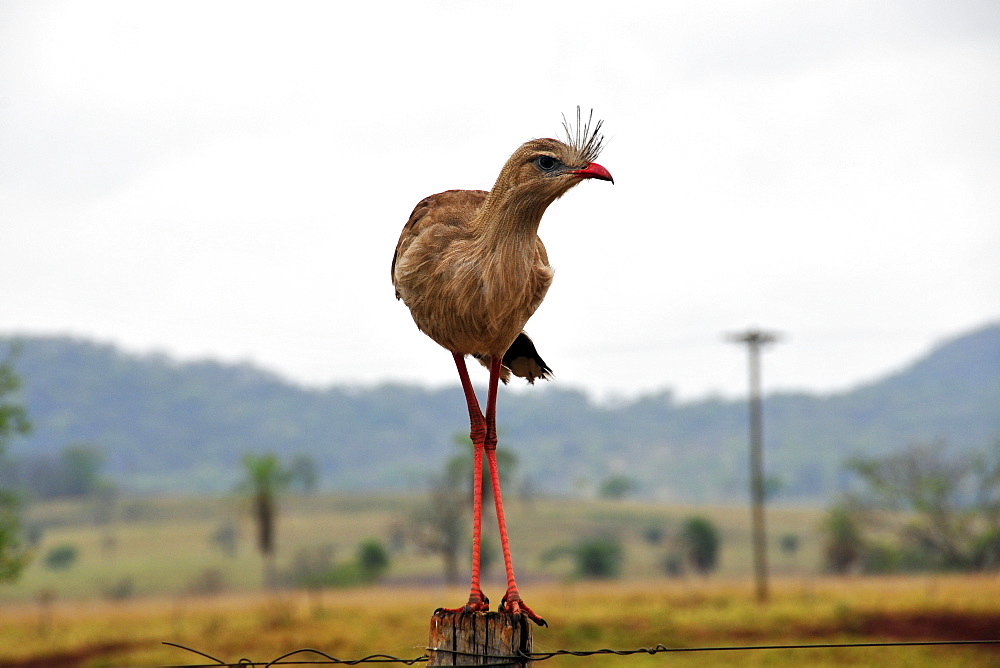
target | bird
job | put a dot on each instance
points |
(472, 270)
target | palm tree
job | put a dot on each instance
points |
(265, 478)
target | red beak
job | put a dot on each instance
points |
(593, 171)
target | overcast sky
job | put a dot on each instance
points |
(228, 180)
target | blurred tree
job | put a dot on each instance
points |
(303, 473)
(700, 538)
(844, 544)
(13, 422)
(953, 504)
(373, 559)
(14, 555)
(311, 566)
(600, 557)
(82, 464)
(617, 487)
(76, 471)
(265, 478)
(439, 526)
(13, 417)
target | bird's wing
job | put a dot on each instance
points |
(450, 209)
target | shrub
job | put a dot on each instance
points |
(701, 544)
(789, 543)
(599, 558)
(373, 560)
(61, 557)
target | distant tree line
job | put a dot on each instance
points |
(76, 471)
(183, 427)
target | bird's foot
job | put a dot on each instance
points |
(512, 604)
(477, 603)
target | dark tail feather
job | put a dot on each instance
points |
(523, 360)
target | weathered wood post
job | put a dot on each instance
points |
(478, 638)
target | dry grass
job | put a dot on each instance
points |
(354, 623)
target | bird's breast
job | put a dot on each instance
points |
(473, 302)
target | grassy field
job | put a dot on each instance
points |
(85, 616)
(164, 546)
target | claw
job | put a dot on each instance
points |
(512, 604)
(477, 603)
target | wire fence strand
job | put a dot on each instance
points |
(327, 659)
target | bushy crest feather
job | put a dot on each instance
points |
(589, 142)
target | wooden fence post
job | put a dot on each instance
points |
(479, 638)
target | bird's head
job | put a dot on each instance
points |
(542, 170)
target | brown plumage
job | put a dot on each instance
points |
(470, 267)
(465, 288)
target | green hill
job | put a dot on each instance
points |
(183, 427)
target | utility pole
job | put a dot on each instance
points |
(755, 339)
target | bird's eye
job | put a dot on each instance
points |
(546, 163)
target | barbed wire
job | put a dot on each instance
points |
(326, 660)
(521, 657)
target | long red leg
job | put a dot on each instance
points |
(512, 599)
(477, 600)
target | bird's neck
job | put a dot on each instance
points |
(509, 217)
